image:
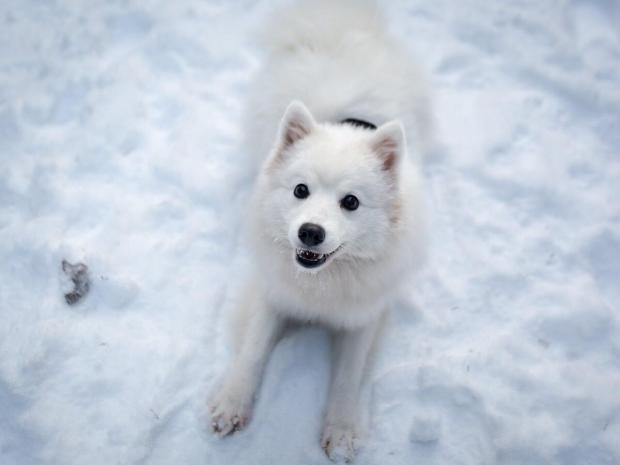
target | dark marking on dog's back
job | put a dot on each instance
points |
(359, 123)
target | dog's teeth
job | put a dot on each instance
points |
(309, 255)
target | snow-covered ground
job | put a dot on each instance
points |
(119, 131)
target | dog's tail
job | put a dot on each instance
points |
(381, 86)
(320, 24)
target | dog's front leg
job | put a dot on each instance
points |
(341, 431)
(232, 402)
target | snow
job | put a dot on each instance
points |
(119, 142)
(425, 428)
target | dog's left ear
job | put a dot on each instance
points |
(388, 143)
(296, 124)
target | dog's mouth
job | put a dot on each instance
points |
(309, 259)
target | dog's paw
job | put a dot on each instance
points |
(340, 442)
(230, 411)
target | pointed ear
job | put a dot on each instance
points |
(388, 143)
(296, 124)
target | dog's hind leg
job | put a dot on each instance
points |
(342, 429)
(231, 403)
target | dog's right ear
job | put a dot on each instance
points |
(388, 142)
(296, 124)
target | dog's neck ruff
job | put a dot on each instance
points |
(359, 123)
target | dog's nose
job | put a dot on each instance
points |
(311, 234)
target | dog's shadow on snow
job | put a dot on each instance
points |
(288, 412)
(406, 311)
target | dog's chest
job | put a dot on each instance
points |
(329, 305)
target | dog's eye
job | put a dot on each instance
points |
(301, 191)
(349, 202)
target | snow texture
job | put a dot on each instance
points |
(119, 149)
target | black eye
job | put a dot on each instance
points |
(350, 202)
(301, 191)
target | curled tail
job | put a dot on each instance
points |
(320, 24)
(337, 57)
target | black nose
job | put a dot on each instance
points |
(311, 234)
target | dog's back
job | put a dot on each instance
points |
(337, 58)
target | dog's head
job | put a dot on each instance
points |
(330, 191)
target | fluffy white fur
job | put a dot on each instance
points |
(336, 58)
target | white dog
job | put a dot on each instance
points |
(338, 219)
